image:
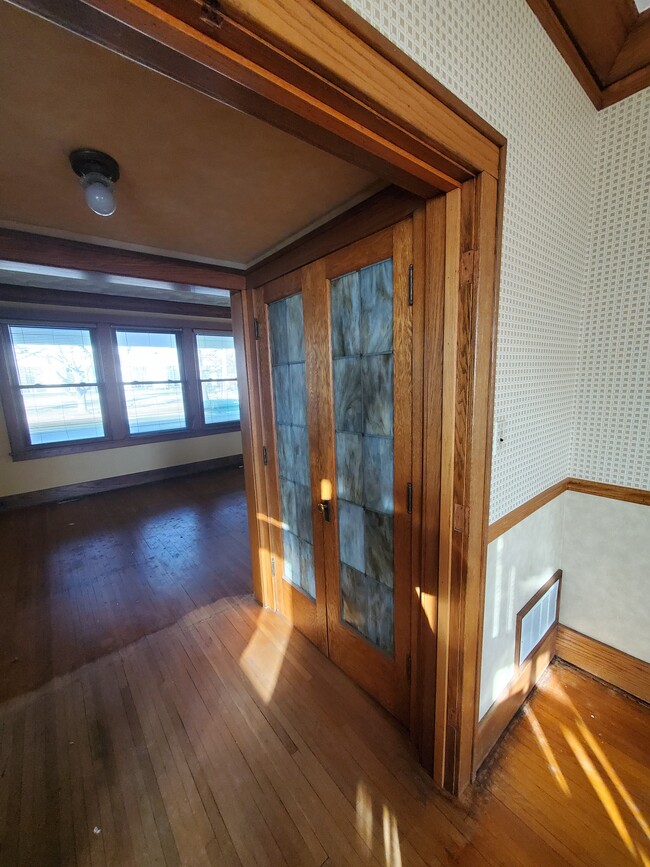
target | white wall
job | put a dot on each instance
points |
(18, 477)
(518, 563)
(603, 548)
(606, 562)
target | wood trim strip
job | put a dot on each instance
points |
(99, 486)
(479, 421)
(61, 253)
(382, 45)
(342, 58)
(13, 313)
(613, 492)
(497, 719)
(597, 489)
(507, 522)
(631, 84)
(381, 211)
(448, 438)
(71, 298)
(605, 662)
(252, 443)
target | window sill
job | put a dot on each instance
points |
(57, 449)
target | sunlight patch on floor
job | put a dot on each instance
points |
(262, 661)
(546, 749)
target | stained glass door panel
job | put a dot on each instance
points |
(362, 361)
(368, 456)
(286, 332)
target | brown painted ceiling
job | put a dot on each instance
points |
(197, 178)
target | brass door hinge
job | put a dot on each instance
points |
(459, 518)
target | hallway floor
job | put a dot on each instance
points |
(224, 738)
(228, 739)
(83, 578)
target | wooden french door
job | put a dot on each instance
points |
(335, 352)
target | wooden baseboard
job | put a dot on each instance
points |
(496, 720)
(613, 666)
(98, 486)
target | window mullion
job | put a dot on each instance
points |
(191, 376)
(14, 410)
(114, 399)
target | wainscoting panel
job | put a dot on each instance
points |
(605, 558)
(519, 563)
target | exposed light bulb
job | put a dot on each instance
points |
(98, 173)
(99, 195)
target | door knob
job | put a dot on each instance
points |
(324, 509)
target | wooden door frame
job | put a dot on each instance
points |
(317, 70)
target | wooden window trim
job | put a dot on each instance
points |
(116, 429)
(556, 578)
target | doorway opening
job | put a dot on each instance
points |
(313, 70)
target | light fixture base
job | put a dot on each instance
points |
(85, 161)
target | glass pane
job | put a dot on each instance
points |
(56, 415)
(216, 354)
(53, 356)
(290, 406)
(148, 356)
(362, 361)
(156, 407)
(220, 401)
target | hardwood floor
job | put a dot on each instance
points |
(228, 739)
(194, 728)
(83, 578)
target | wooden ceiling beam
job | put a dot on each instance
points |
(633, 56)
(606, 44)
(60, 253)
(35, 295)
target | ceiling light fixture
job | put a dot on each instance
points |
(98, 172)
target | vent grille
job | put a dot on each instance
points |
(537, 618)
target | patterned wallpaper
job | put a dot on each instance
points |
(496, 57)
(612, 417)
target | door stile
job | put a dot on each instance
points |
(403, 438)
(306, 614)
(267, 444)
(317, 342)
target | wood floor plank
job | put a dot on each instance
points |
(156, 715)
(83, 578)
